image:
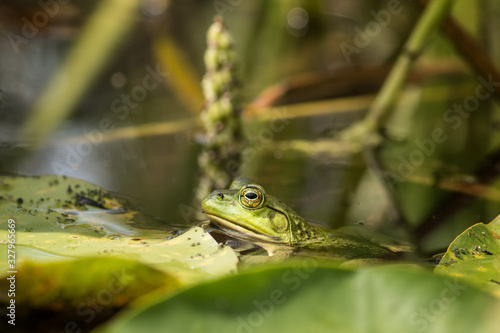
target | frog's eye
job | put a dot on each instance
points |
(251, 196)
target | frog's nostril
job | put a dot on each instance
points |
(220, 195)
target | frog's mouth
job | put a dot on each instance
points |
(236, 230)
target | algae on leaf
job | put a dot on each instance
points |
(475, 256)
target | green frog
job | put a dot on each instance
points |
(247, 213)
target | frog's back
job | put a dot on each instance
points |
(340, 245)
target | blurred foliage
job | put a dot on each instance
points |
(310, 296)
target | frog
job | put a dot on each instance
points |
(247, 213)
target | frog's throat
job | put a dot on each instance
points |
(243, 231)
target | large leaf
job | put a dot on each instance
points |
(475, 256)
(62, 218)
(313, 298)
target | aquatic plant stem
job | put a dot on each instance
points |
(367, 131)
(432, 16)
(472, 51)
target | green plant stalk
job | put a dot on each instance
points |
(434, 13)
(102, 34)
(364, 133)
(220, 157)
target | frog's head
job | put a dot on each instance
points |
(248, 212)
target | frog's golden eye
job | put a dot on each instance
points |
(251, 196)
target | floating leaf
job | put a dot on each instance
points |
(475, 255)
(71, 242)
(314, 298)
(62, 218)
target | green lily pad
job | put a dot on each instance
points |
(475, 256)
(60, 218)
(310, 297)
